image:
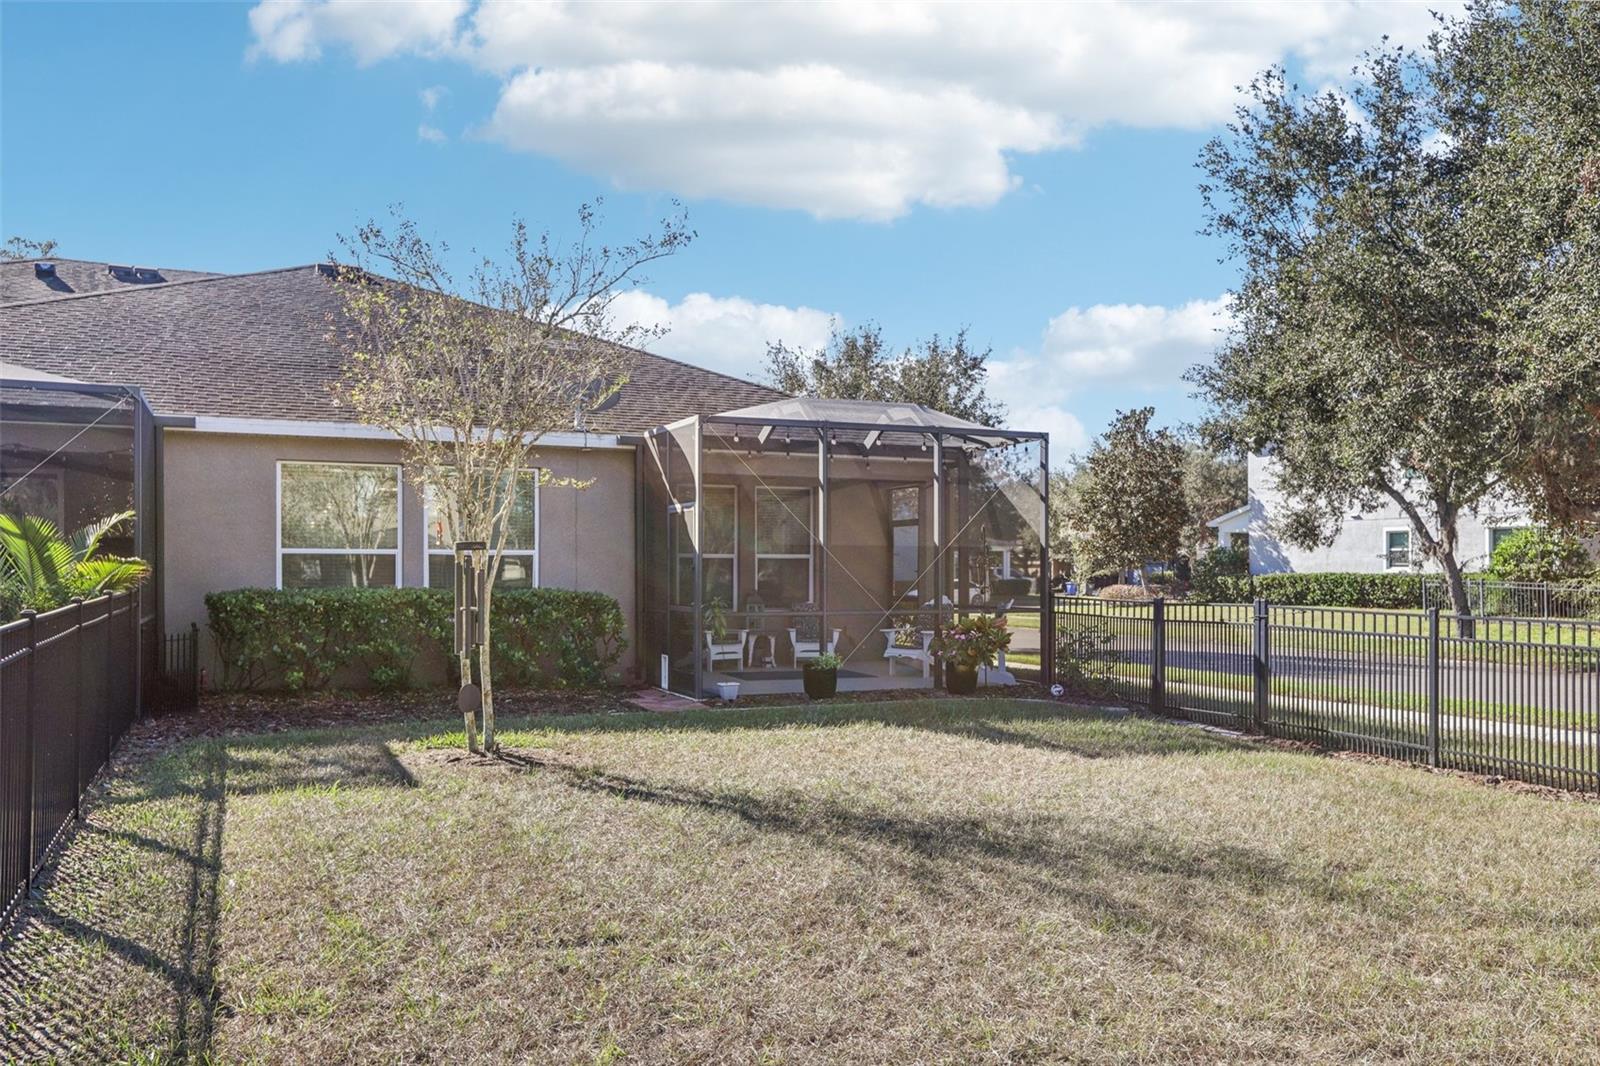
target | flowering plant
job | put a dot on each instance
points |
(973, 641)
(907, 632)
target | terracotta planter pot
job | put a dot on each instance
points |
(820, 684)
(960, 680)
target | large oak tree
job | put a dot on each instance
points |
(1414, 282)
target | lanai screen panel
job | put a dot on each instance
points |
(881, 574)
(760, 555)
(669, 565)
(997, 539)
(76, 454)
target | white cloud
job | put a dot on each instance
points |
(1035, 402)
(860, 110)
(431, 96)
(431, 134)
(865, 150)
(1131, 342)
(292, 30)
(729, 333)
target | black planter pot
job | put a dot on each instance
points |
(960, 680)
(820, 684)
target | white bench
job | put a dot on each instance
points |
(923, 654)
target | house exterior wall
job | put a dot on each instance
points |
(1358, 547)
(219, 502)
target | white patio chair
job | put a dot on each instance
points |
(810, 649)
(923, 654)
(730, 647)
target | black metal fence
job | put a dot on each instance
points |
(1523, 599)
(70, 685)
(1513, 696)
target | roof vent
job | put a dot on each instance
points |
(147, 274)
(44, 270)
(121, 273)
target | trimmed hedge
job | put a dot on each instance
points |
(305, 639)
(1393, 591)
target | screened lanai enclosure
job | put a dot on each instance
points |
(772, 534)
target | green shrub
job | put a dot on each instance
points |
(1086, 656)
(1127, 592)
(1389, 591)
(303, 639)
(1539, 555)
(1206, 573)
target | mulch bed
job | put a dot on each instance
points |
(236, 714)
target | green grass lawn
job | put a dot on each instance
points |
(906, 882)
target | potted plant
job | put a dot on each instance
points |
(821, 676)
(967, 645)
(717, 618)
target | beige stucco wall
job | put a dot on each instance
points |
(219, 495)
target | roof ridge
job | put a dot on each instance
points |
(157, 287)
(29, 260)
(701, 369)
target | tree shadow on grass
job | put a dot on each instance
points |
(947, 856)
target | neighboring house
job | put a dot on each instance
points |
(261, 479)
(1367, 542)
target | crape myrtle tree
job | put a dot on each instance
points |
(471, 375)
(948, 375)
(1398, 301)
(1130, 505)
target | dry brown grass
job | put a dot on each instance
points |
(912, 882)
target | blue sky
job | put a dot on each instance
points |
(1027, 172)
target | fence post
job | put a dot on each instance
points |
(1261, 653)
(1433, 686)
(111, 696)
(77, 714)
(194, 666)
(136, 649)
(29, 768)
(1158, 655)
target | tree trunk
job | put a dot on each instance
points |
(485, 684)
(469, 721)
(1457, 587)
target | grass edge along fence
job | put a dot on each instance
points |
(71, 682)
(1516, 697)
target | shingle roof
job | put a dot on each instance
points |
(257, 346)
(22, 282)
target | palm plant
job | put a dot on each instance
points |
(41, 569)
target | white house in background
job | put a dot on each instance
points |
(1368, 542)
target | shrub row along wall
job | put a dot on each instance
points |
(303, 639)
(1377, 591)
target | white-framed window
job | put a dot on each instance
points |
(1397, 554)
(1496, 534)
(519, 562)
(719, 549)
(338, 525)
(784, 521)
